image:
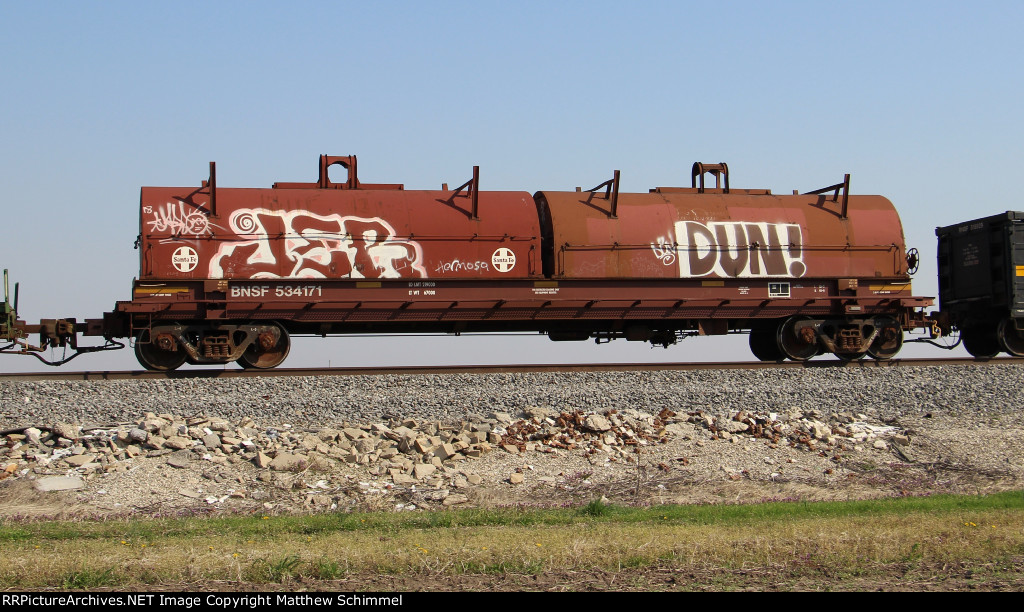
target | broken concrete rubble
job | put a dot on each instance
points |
(408, 455)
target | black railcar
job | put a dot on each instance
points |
(981, 282)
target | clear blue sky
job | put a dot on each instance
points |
(919, 101)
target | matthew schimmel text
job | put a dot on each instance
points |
(227, 601)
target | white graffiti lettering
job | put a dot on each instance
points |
(735, 249)
(664, 250)
(456, 265)
(178, 219)
(301, 244)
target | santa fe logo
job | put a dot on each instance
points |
(185, 259)
(503, 260)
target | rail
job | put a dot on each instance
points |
(200, 373)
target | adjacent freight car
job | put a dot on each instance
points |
(981, 282)
(229, 275)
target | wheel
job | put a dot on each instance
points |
(889, 340)
(982, 343)
(154, 358)
(764, 346)
(1010, 339)
(269, 350)
(797, 344)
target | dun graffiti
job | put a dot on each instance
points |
(740, 249)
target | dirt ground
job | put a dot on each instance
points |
(881, 578)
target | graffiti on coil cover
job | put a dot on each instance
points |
(178, 220)
(734, 249)
(301, 244)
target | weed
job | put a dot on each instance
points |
(514, 567)
(441, 519)
(634, 561)
(280, 570)
(471, 567)
(88, 579)
(914, 554)
(532, 567)
(325, 569)
(596, 508)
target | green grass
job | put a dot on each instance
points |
(819, 539)
(262, 526)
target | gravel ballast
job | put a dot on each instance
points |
(324, 401)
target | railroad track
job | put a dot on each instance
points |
(500, 369)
